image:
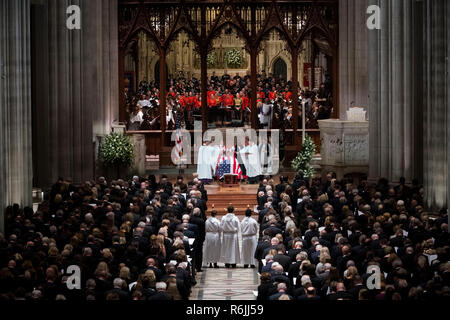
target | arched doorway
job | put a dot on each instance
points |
(279, 67)
(157, 71)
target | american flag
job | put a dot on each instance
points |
(224, 167)
(228, 164)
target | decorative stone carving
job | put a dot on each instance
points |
(138, 166)
(345, 146)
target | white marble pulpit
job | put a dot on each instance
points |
(344, 146)
(139, 149)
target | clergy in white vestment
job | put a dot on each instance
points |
(229, 225)
(249, 229)
(266, 114)
(250, 155)
(216, 152)
(211, 254)
(204, 162)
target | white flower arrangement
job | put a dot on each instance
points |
(233, 58)
(211, 59)
(117, 149)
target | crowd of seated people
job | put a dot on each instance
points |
(335, 240)
(129, 238)
(228, 99)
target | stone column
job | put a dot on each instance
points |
(448, 106)
(107, 61)
(436, 106)
(75, 85)
(391, 87)
(353, 53)
(15, 106)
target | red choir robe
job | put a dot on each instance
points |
(272, 95)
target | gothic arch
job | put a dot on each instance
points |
(279, 66)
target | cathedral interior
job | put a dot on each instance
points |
(64, 90)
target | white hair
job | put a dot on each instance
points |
(275, 264)
(118, 282)
(161, 286)
(305, 279)
(269, 257)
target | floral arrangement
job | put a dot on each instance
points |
(211, 59)
(116, 150)
(304, 157)
(233, 58)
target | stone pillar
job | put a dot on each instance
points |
(391, 87)
(253, 93)
(436, 105)
(295, 93)
(448, 107)
(353, 53)
(107, 62)
(75, 87)
(15, 106)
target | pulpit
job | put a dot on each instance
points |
(345, 144)
(230, 180)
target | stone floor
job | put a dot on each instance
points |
(225, 284)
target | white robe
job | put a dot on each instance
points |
(229, 252)
(215, 152)
(204, 162)
(265, 118)
(252, 162)
(249, 229)
(211, 251)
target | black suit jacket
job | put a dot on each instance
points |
(161, 296)
(265, 290)
(284, 260)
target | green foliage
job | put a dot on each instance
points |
(304, 157)
(234, 58)
(116, 150)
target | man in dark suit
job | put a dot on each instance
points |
(339, 292)
(151, 265)
(282, 258)
(199, 239)
(341, 261)
(161, 294)
(262, 245)
(184, 281)
(274, 242)
(282, 289)
(117, 283)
